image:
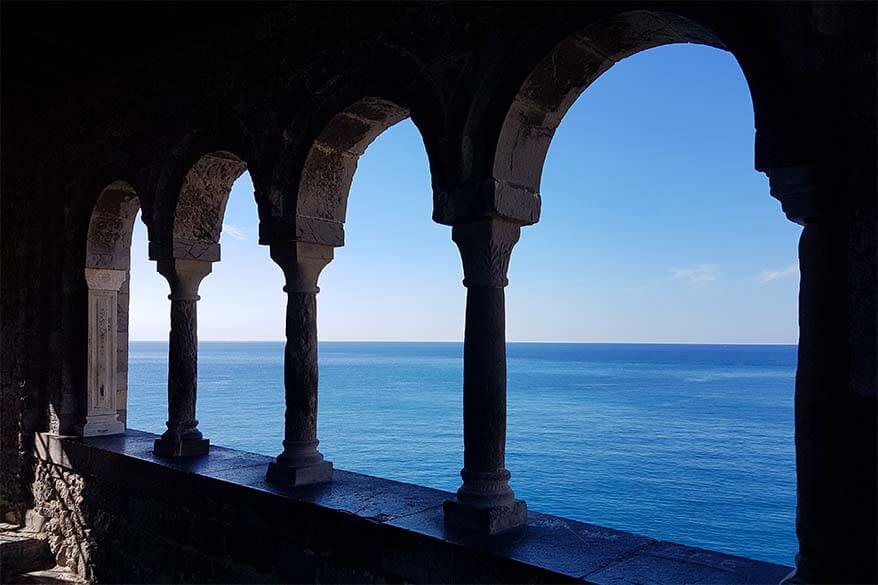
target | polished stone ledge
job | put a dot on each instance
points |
(391, 526)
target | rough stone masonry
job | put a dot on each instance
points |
(111, 108)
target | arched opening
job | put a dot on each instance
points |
(329, 168)
(241, 310)
(655, 229)
(107, 263)
(371, 292)
(322, 196)
(149, 322)
(198, 215)
(390, 322)
(185, 247)
(560, 77)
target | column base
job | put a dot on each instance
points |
(295, 476)
(485, 521)
(101, 428)
(188, 448)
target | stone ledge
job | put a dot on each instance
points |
(387, 527)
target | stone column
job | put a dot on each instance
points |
(300, 462)
(182, 437)
(835, 419)
(101, 417)
(485, 503)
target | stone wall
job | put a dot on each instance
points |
(60, 498)
(265, 82)
(110, 533)
(116, 514)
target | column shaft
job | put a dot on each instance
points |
(300, 462)
(484, 398)
(300, 378)
(485, 504)
(183, 437)
(183, 370)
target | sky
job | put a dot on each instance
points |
(654, 228)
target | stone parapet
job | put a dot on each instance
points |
(138, 518)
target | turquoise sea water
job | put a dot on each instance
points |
(689, 443)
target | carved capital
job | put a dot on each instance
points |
(104, 279)
(184, 277)
(302, 263)
(796, 189)
(485, 248)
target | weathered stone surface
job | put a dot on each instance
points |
(116, 513)
(102, 388)
(332, 160)
(665, 562)
(485, 503)
(485, 520)
(22, 551)
(300, 463)
(203, 196)
(110, 228)
(183, 439)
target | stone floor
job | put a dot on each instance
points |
(25, 558)
(57, 575)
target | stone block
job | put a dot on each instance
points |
(253, 548)
(207, 535)
(170, 448)
(99, 428)
(296, 476)
(494, 520)
(298, 565)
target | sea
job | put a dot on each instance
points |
(688, 443)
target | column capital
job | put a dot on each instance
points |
(301, 263)
(184, 276)
(796, 189)
(485, 247)
(104, 279)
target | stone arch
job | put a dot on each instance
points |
(107, 272)
(108, 244)
(331, 162)
(551, 88)
(196, 211)
(345, 100)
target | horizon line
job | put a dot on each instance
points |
(508, 341)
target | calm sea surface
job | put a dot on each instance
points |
(690, 443)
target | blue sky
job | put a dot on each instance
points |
(654, 228)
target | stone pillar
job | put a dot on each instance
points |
(300, 462)
(835, 421)
(183, 437)
(101, 417)
(485, 503)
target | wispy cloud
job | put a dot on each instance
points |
(697, 275)
(769, 275)
(234, 231)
